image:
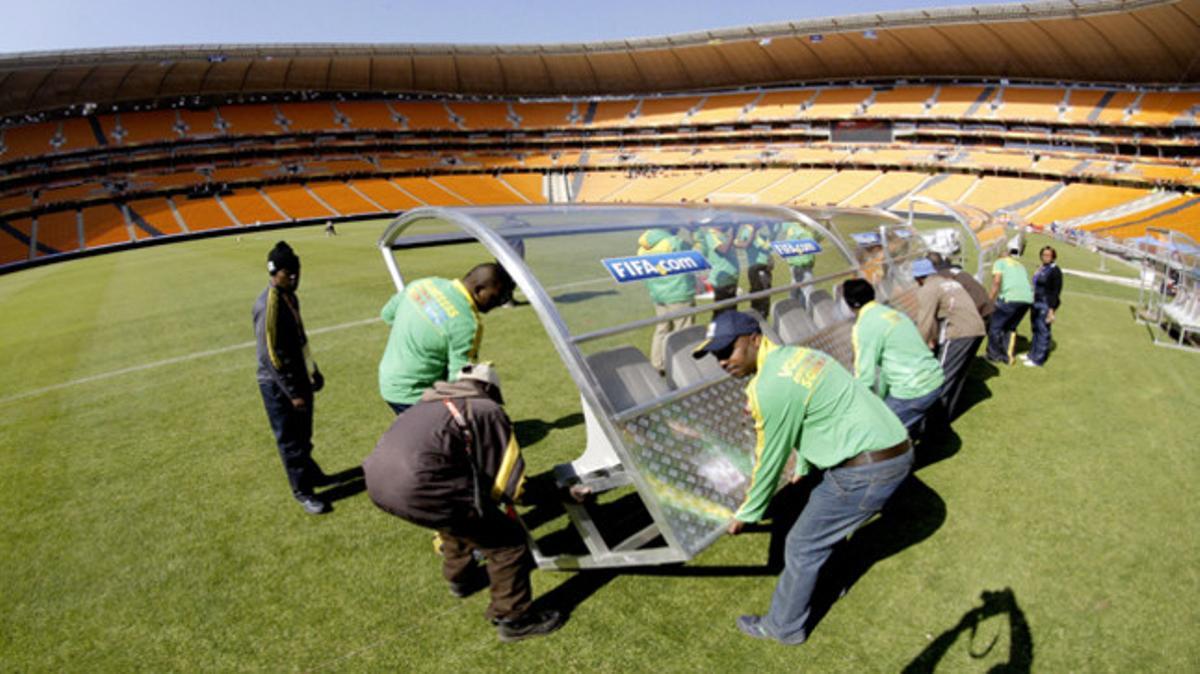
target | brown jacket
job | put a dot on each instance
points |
(421, 470)
(941, 299)
(979, 294)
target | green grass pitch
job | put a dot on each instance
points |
(145, 523)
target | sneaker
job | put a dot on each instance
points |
(529, 624)
(752, 626)
(1029, 363)
(473, 583)
(313, 505)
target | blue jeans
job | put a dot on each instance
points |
(1040, 349)
(912, 410)
(1002, 329)
(398, 408)
(845, 498)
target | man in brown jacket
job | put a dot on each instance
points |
(449, 463)
(979, 294)
(950, 324)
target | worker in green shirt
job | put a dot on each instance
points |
(890, 356)
(801, 265)
(436, 330)
(755, 239)
(802, 400)
(716, 244)
(1012, 294)
(669, 293)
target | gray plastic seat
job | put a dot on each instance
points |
(791, 321)
(626, 377)
(682, 369)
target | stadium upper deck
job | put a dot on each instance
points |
(120, 146)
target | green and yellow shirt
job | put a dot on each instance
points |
(435, 332)
(803, 400)
(1014, 280)
(890, 357)
(794, 231)
(674, 289)
(724, 263)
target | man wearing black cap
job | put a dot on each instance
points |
(287, 375)
(449, 463)
(803, 401)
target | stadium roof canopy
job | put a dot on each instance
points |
(1102, 41)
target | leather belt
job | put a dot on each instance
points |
(877, 456)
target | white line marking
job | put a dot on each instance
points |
(216, 352)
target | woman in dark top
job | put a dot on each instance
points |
(1047, 286)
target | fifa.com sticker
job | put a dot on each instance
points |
(642, 267)
(866, 238)
(786, 249)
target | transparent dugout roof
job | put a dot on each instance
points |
(580, 255)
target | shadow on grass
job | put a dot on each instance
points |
(529, 431)
(581, 296)
(914, 512)
(1020, 638)
(345, 484)
(975, 390)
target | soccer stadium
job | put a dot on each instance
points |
(1044, 523)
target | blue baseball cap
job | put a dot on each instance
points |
(922, 268)
(724, 330)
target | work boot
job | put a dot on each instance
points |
(313, 505)
(529, 624)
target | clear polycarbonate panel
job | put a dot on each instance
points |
(583, 257)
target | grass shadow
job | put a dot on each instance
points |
(529, 431)
(581, 296)
(975, 389)
(1020, 638)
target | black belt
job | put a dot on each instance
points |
(876, 456)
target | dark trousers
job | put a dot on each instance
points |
(956, 356)
(724, 293)
(293, 436)
(1039, 351)
(398, 408)
(1002, 330)
(502, 541)
(760, 279)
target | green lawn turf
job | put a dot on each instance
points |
(145, 521)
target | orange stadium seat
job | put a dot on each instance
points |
(778, 106)
(1083, 103)
(296, 202)
(528, 185)
(837, 103)
(947, 187)
(313, 116)
(614, 113)
(152, 215)
(483, 116)
(597, 186)
(58, 231)
(1183, 216)
(250, 208)
(14, 241)
(104, 226)
(373, 115)
(1010, 159)
(702, 186)
(385, 193)
(549, 115)
(200, 123)
(902, 101)
(78, 134)
(665, 111)
(1013, 194)
(652, 188)
(16, 202)
(202, 214)
(59, 195)
(28, 140)
(1136, 216)
(838, 188)
(478, 189)
(886, 190)
(1028, 103)
(955, 101)
(723, 109)
(138, 128)
(745, 188)
(341, 198)
(1081, 199)
(1165, 108)
(250, 119)
(425, 116)
(429, 193)
(1114, 111)
(790, 186)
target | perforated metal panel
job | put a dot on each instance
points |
(696, 454)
